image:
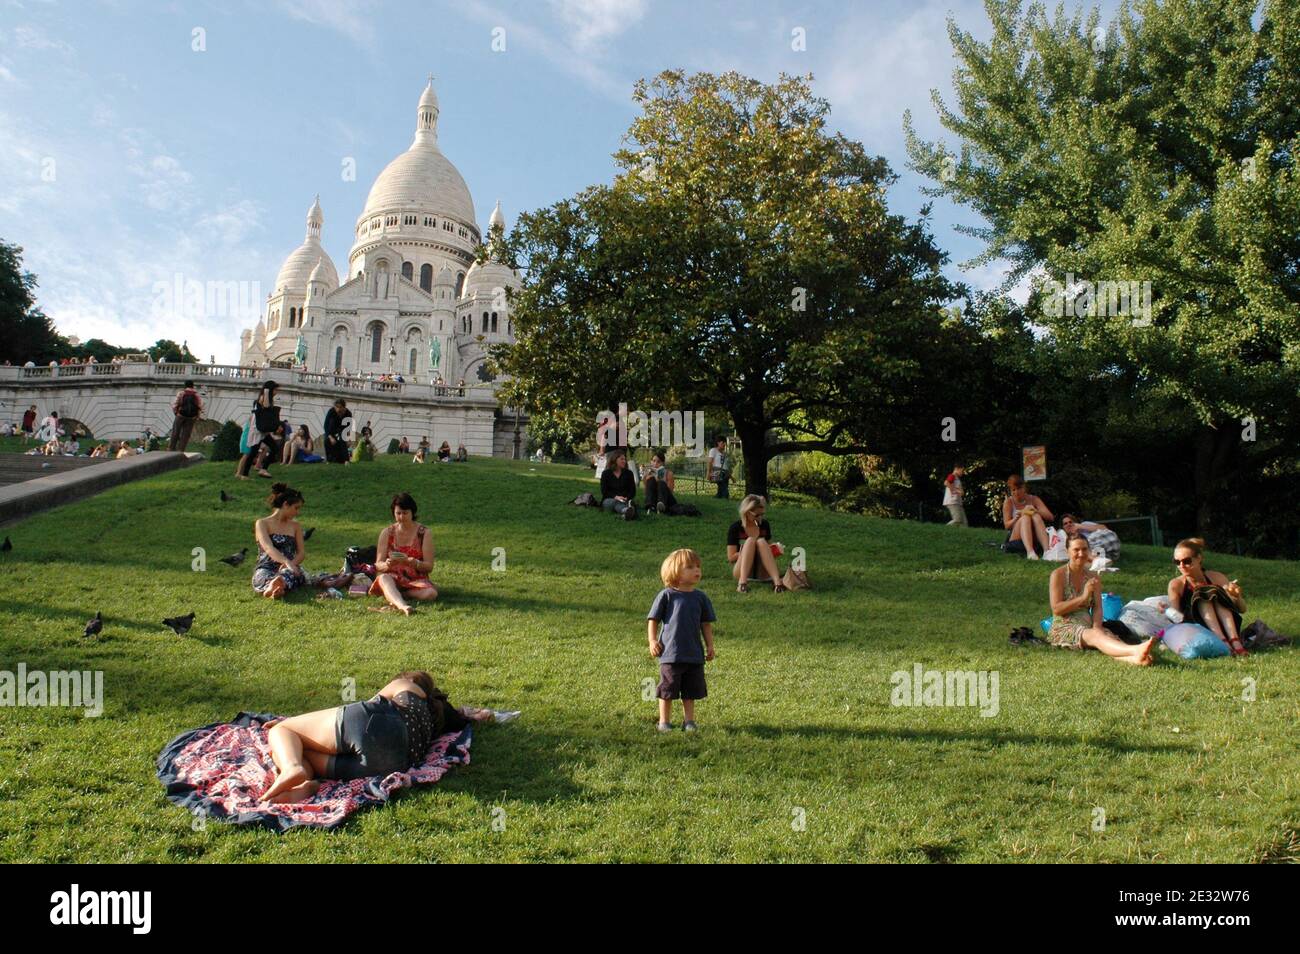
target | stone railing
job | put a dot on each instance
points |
(211, 374)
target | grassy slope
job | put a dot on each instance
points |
(799, 714)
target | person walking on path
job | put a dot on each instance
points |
(187, 408)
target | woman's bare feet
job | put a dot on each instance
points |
(1142, 653)
(276, 590)
(299, 793)
(289, 779)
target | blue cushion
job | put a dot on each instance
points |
(1194, 641)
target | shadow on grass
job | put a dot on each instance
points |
(995, 738)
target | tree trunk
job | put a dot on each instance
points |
(753, 442)
(1214, 448)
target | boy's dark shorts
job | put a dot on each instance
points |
(682, 681)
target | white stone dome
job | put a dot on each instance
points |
(421, 180)
(308, 261)
(304, 262)
(484, 279)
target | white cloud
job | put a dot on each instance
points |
(165, 185)
(869, 89)
(592, 22)
(565, 57)
(354, 19)
(33, 38)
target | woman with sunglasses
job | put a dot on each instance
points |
(1207, 596)
(749, 547)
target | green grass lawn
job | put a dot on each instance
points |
(798, 718)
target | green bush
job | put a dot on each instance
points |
(819, 475)
(1116, 503)
(226, 446)
(884, 492)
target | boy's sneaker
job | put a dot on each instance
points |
(665, 727)
(690, 727)
(660, 507)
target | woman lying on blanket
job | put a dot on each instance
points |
(1075, 594)
(390, 732)
(1207, 596)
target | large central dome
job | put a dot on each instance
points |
(422, 179)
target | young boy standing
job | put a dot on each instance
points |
(678, 617)
(952, 497)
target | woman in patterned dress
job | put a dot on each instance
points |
(404, 558)
(280, 546)
(1076, 610)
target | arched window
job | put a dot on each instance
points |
(494, 322)
(338, 358)
(510, 328)
(426, 276)
(460, 283)
(414, 352)
(376, 341)
(485, 321)
(408, 271)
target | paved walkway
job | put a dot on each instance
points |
(15, 468)
(73, 478)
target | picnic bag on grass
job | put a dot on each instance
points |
(796, 579)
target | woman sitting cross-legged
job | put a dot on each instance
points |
(390, 732)
(749, 547)
(618, 487)
(659, 486)
(1206, 596)
(404, 558)
(280, 547)
(1075, 595)
(444, 453)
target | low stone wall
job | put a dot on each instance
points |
(32, 496)
(121, 405)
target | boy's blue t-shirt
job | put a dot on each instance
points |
(681, 613)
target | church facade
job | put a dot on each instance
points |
(413, 300)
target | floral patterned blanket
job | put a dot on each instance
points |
(218, 771)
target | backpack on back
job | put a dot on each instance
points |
(189, 406)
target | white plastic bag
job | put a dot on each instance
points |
(1144, 617)
(1056, 549)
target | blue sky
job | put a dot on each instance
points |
(129, 157)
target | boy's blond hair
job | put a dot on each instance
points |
(675, 564)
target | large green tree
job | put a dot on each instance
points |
(742, 259)
(1161, 148)
(26, 334)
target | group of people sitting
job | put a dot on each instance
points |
(618, 486)
(444, 455)
(1196, 594)
(269, 439)
(403, 555)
